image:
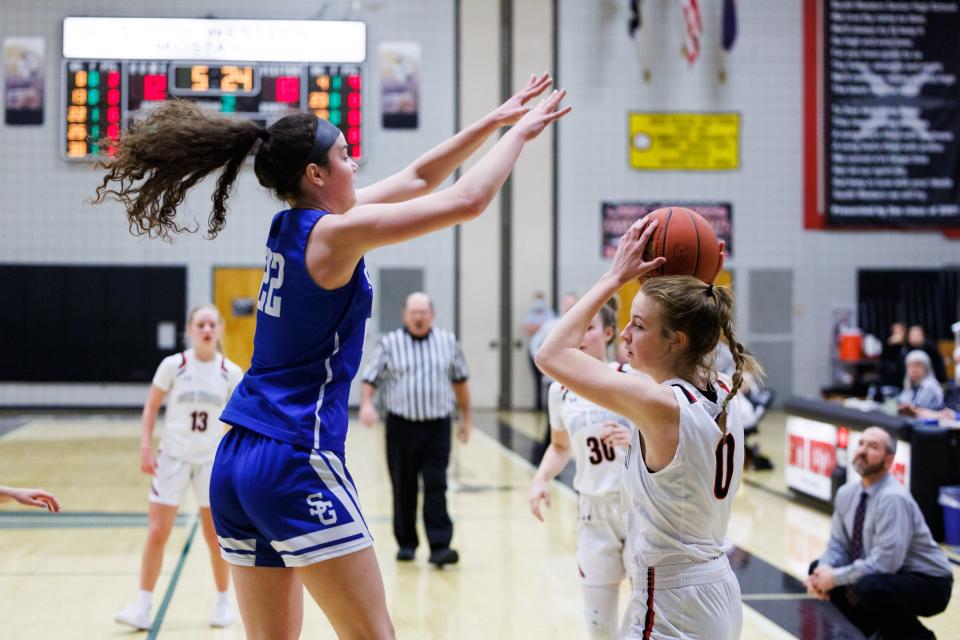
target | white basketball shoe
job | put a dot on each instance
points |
(136, 615)
(224, 614)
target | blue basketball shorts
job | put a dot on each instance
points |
(278, 505)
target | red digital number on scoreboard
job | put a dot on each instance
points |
(288, 89)
(155, 87)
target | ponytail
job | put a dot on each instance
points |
(160, 158)
(742, 360)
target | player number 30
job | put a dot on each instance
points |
(269, 300)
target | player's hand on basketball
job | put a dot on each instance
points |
(537, 119)
(516, 106)
(628, 262)
(615, 434)
(539, 492)
(148, 461)
(36, 498)
(368, 415)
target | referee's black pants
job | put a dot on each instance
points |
(419, 449)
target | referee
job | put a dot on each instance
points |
(421, 369)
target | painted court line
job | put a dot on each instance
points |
(158, 621)
(776, 596)
(79, 520)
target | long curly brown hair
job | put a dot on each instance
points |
(158, 159)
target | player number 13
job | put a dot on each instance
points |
(269, 300)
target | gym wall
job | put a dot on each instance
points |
(47, 222)
(814, 271)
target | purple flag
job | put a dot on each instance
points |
(729, 24)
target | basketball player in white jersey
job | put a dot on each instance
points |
(582, 429)
(196, 383)
(686, 458)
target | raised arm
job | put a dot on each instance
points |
(642, 401)
(427, 172)
(339, 241)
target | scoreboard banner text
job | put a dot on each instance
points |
(115, 70)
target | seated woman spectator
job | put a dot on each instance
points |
(920, 389)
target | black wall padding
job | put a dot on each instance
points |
(69, 323)
(930, 298)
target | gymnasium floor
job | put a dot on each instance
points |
(64, 576)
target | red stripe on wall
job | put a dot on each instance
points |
(812, 216)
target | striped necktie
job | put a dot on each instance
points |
(856, 541)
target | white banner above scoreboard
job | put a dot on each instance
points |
(326, 41)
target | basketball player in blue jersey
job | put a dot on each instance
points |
(284, 505)
(685, 459)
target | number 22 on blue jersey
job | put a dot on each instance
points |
(269, 299)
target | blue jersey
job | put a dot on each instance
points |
(307, 345)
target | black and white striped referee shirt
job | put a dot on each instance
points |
(416, 373)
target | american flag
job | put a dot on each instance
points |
(691, 20)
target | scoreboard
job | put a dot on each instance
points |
(102, 96)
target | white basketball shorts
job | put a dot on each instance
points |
(685, 602)
(173, 476)
(600, 541)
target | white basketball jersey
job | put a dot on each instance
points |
(598, 464)
(679, 515)
(196, 394)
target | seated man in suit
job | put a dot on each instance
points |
(881, 568)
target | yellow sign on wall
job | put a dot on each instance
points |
(684, 141)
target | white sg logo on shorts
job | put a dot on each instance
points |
(319, 507)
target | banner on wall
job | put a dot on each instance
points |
(890, 117)
(23, 66)
(400, 84)
(811, 456)
(616, 217)
(684, 141)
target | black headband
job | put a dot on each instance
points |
(325, 137)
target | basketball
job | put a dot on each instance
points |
(688, 243)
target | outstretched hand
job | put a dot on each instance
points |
(516, 106)
(35, 498)
(537, 119)
(628, 262)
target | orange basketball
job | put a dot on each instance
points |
(688, 243)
